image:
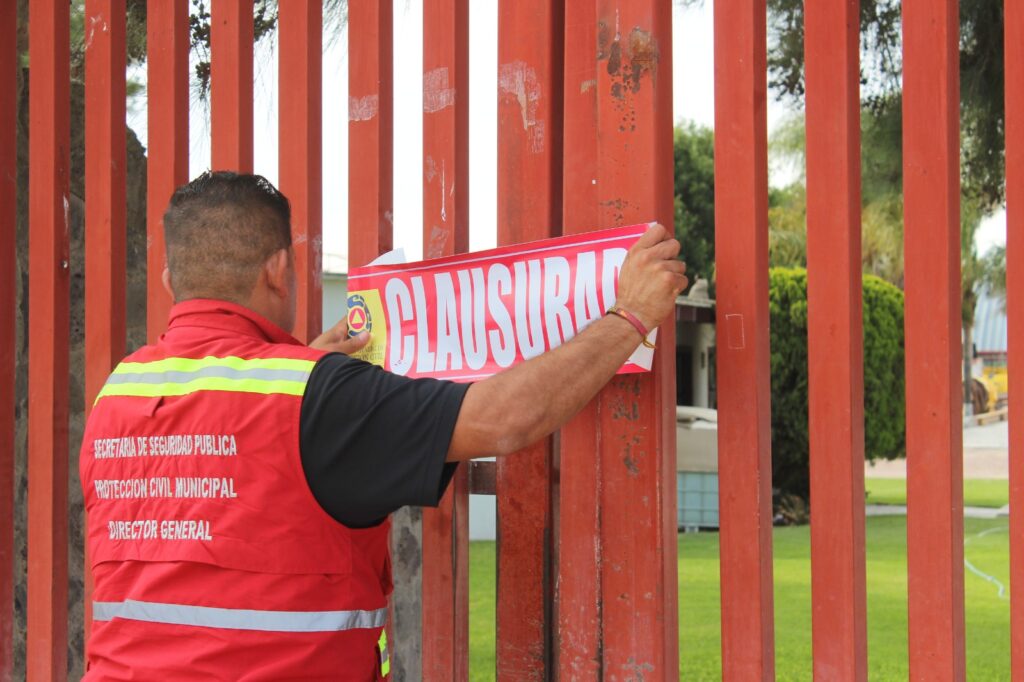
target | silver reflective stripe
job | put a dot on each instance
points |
(239, 619)
(177, 377)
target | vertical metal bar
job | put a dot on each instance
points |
(167, 36)
(49, 265)
(835, 339)
(370, 130)
(931, 190)
(1014, 65)
(8, 306)
(231, 115)
(105, 206)
(529, 208)
(370, 211)
(299, 128)
(445, 232)
(744, 397)
(637, 429)
(578, 585)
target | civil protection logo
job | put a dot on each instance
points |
(359, 318)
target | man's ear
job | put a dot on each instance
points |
(277, 271)
(165, 278)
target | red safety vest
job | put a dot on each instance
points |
(211, 558)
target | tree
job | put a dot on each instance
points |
(884, 433)
(981, 80)
(694, 152)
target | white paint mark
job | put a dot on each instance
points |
(518, 80)
(444, 212)
(363, 108)
(94, 22)
(587, 86)
(1000, 588)
(389, 217)
(436, 93)
(67, 215)
(430, 172)
(317, 260)
(737, 336)
(300, 238)
(437, 241)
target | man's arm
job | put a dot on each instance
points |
(515, 408)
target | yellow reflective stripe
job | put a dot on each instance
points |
(193, 364)
(385, 659)
(203, 384)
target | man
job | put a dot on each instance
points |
(238, 484)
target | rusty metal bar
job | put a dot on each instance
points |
(931, 190)
(835, 340)
(167, 41)
(445, 232)
(300, 23)
(105, 207)
(637, 428)
(8, 306)
(370, 130)
(744, 396)
(530, 39)
(48, 326)
(231, 113)
(1014, 65)
(617, 597)
(483, 478)
(576, 506)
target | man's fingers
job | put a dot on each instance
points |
(669, 248)
(676, 266)
(655, 233)
(348, 346)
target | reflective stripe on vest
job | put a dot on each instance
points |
(385, 659)
(239, 619)
(182, 376)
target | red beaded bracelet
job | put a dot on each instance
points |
(633, 320)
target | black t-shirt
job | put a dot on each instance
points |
(372, 442)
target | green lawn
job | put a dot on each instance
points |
(699, 633)
(978, 492)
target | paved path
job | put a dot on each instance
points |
(985, 455)
(971, 512)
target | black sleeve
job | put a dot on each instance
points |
(372, 442)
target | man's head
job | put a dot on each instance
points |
(228, 237)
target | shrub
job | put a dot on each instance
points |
(884, 408)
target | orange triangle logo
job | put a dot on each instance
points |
(358, 318)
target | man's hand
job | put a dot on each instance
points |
(336, 340)
(652, 277)
(514, 408)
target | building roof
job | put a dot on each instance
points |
(990, 323)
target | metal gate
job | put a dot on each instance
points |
(587, 582)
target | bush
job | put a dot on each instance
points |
(884, 408)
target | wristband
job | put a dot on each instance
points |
(633, 320)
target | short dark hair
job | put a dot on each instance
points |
(219, 230)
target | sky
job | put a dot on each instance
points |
(693, 100)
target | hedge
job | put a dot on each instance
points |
(884, 409)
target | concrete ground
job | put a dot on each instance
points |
(985, 455)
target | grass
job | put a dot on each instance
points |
(978, 492)
(699, 622)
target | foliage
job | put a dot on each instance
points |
(981, 80)
(694, 152)
(787, 226)
(883, 375)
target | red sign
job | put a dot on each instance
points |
(469, 316)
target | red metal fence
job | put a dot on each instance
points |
(587, 551)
